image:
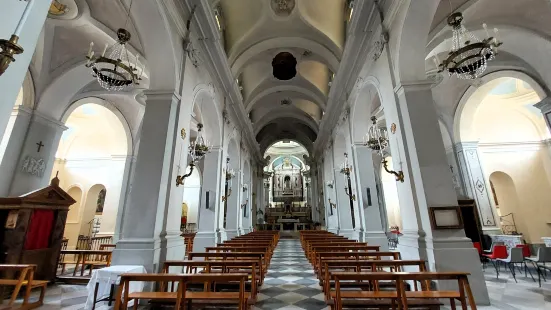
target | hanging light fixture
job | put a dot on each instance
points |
(9, 48)
(113, 69)
(377, 140)
(197, 150)
(469, 56)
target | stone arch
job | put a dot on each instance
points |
(472, 98)
(204, 101)
(362, 110)
(112, 108)
(413, 38)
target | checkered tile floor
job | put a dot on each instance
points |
(290, 282)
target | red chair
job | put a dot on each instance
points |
(500, 251)
(478, 247)
(526, 252)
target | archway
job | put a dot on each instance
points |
(498, 123)
(93, 152)
(507, 203)
(191, 200)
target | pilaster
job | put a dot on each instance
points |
(475, 183)
(368, 197)
(146, 235)
(418, 150)
(36, 158)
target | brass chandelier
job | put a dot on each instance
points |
(112, 68)
(469, 56)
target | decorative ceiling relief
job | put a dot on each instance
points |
(284, 66)
(283, 7)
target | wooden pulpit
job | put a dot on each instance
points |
(33, 226)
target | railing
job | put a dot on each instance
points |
(508, 224)
(92, 243)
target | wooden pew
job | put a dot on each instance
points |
(208, 297)
(210, 256)
(250, 267)
(330, 266)
(84, 258)
(321, 256)
(344, 248)
(400, 296)
(26, 276)
(267, 255)
(161, 294)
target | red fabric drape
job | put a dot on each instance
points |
(40, 229)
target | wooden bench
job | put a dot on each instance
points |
(344, 248)
(400, 297)
(321, 256)
(212, 298)
(330, 266)
(26, 276)
(163, 280)
(209, 256)
(267, 255)
(85, 258)
(249, 267)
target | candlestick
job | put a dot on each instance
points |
(90, 50)
(24, 18)
(136, 63)
(104, 50)
(496, 33)
(486, 29)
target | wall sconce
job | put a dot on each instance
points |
(180, 178)
(245, 204)
(334, 205)
(9, 48)
(330, 184)
(377, 140)
(245, 188)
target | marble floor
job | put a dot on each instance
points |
(291, 285)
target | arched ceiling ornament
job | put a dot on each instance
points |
(283, 7)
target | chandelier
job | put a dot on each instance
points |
(377, 140)
(113, 69)
(114, 72)
(469, 56)
(200, 147)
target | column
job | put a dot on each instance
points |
(234, 207)
(36, 156)
(147, 233)
(12, 79)
(418, 150)
(343, 205)
(368, 197)
(475, 184)
(129, 169)
(211, 205)
(328, 185)
(11, 146)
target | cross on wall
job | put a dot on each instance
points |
(40, 145)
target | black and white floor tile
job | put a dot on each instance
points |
(291, 285)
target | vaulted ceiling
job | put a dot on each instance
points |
(283, 54)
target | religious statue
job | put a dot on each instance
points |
(101, 201)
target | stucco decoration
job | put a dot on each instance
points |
(283, 7)
(34, 166)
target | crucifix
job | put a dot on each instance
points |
(40, 145)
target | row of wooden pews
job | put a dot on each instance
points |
(357, 275)
(229, 274)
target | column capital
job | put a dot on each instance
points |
(544, 105)
(413, 86)
(48, 121)
(161, 95)
(466, 145)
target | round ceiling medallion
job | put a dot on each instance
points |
(284, 66)
(283, 7)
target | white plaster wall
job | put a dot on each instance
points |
(87, 173)
(390, 191)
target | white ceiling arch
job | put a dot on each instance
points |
(279, 114)
(302, 89)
